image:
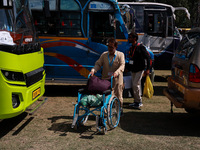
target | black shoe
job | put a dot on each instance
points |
(137, 106)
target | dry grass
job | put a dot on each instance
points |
(153, 127)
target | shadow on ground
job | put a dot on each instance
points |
(62, 128)
(160, 78)
(8, 125)
(152, 123)
(62, 90)
(146, 123)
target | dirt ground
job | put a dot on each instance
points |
(153, 127)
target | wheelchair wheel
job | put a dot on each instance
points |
(113, 112)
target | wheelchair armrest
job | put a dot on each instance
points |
(107, 92)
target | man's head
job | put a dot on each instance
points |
(112, 45)
(132, 37)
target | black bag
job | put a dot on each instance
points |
(96, 85)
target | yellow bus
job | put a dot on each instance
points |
(22, 76)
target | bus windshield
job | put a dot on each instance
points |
(6, 20)
(16, 29)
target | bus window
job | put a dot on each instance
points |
(38, 4)
(70, 24)
(70, 19)
(63, 21)
(155, 24)
(69, 5)
(21, 19)
(24, 27)
(170, 26)
(100, 26)
(139, 18)
(45, 25)
(5, 20)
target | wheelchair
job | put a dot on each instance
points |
(107, 113)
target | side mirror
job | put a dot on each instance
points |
(6, 4)
(125, 8)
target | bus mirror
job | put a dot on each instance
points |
(6, 4)
(125, 8)
(46, 9)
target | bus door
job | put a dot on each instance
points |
(155, 28)
(101, 17)
(100, 28)
(105, 22)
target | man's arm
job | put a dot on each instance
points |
(147, 57)
(97, 65)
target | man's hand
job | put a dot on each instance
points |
(147, 72)
(115, 75)
(92, 73)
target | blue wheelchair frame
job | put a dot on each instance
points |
(109, 102)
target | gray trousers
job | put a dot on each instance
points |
(136, 85)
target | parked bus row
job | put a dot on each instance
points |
(72, 34)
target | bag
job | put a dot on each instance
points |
(84, 100)
(148, 88)
(96, 85)
(95, 100)
(92, 100)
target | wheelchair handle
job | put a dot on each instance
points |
(89, 76)
(111, 81)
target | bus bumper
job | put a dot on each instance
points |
(23, 95)
(182, 96)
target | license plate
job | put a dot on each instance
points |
(36, 93)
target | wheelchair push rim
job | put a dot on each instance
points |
(113, 112)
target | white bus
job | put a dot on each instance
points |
(155, 25)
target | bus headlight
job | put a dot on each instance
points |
(13, 76)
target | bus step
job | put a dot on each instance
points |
(32, 111)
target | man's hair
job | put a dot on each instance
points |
(113, 40)
(133, 35)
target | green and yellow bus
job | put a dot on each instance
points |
(22, 77)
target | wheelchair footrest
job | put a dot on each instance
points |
(74, 120)
(99, 122)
